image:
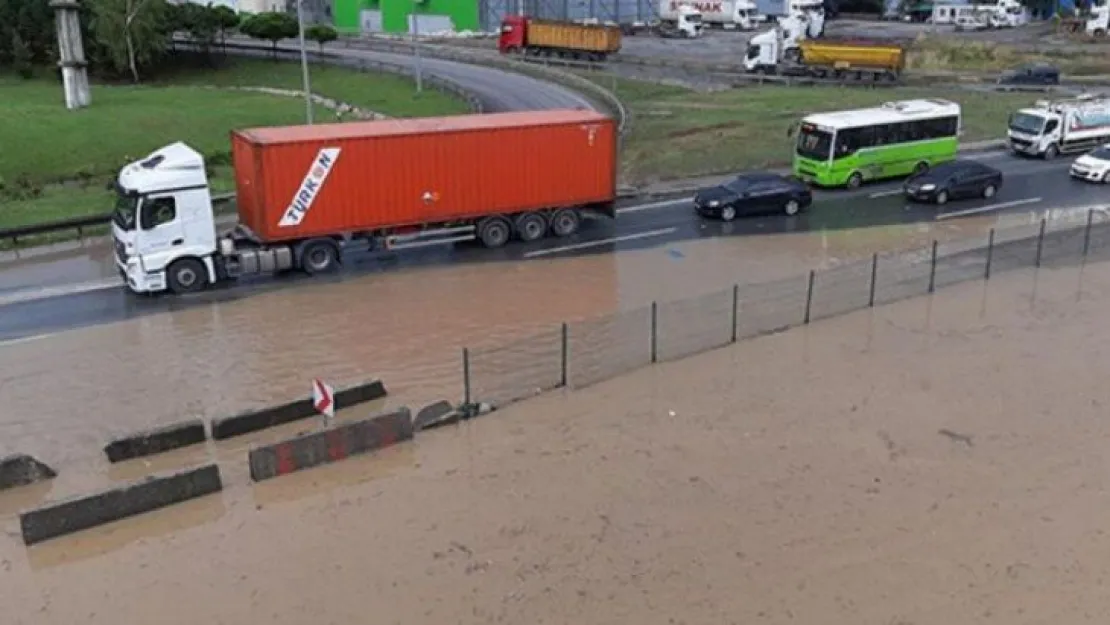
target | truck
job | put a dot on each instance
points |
(535, 37)
(775, 53)
(727, 14)
(1098, 21)
(1053, 127)
(810, 12)
(308, 195)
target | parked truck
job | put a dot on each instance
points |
(534, 37)
(727, 14)
(780, 51)
(810, 12)
(1053, 127)
(308, 194)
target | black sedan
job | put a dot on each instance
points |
(753, 193)
(954, 180)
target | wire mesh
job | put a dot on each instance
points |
(521, 369)
(899, 276)
(840, 290)
(771, 307)
(602, 348)
(694, 325)
(960, 262)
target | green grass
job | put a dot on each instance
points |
(678, 132)
(67, 157)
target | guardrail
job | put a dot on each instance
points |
(80, 224)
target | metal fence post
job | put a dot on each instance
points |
(654, 332)
(990, 255)
(1040, 243)
(933, 268)
(466, 377)
(565, 354)
(1087, 232)
(809, 293)
(874, 277)
(735, 310)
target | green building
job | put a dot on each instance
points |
(394, 16)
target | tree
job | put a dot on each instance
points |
(132, 32)
(272, 27)
(321, 34)
(200, 23)
(21, 57)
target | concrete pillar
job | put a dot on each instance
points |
(71, 54)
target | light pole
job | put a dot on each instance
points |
(304, 63)
(417, 61)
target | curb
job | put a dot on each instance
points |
(263, 418)
(156, 440)
(86, 512)
(331, 445)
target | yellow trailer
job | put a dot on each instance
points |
(841, 57)
(586, 41)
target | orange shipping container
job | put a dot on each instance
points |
(297, 182)
(598, 38)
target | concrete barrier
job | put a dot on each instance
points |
(435, 415)
(254, 420)
(331, 445)
(154, 492)
(21, 470)
(157, 440)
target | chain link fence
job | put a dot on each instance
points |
(576, 355)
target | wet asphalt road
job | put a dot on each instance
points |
(1032, 189)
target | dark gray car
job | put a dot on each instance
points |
(753, 193)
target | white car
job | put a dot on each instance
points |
(1093, 166)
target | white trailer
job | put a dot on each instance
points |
(1054, 127)
(728, 14)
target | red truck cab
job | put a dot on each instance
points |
(514, 34)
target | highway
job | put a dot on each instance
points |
(1032, 188)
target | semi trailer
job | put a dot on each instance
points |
(306, 195)
(727, 14)
(1052, 127)
(779, 51)
(535, 37)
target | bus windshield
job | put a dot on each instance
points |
(1027, 123)
(813, 143)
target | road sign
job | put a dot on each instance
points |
(323, 398)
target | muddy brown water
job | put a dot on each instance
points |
(939, 460)
(65, 395)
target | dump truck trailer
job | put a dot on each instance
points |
(307, 194)
(840, 59)
(534, 37)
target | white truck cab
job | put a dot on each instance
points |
(684, 21)
(767, 50)
(1098, 23)
(164, 216)
(1050, 128)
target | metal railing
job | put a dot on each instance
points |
(579, 354)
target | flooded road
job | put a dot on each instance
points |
(67, 394)
(939, 460)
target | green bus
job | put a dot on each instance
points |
(848, 148)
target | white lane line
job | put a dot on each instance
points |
(589, 244)
(884, 194)
(35, 293)
(653, 205)
(989, 208)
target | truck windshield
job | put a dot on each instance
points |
(1027, 123)
(813, 143)
(127, 207)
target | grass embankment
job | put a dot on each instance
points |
(983, 57)
(54, 163)
(678, 132)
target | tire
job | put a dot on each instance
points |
(530, 227)
(1106, 178)
(565, 223)
(920, 168)
(989, 191)
(187, 275)
(319, 257)
(728, 213)
(1051, 153)
(494, 232)
(855, 181)
(942, 198)
(791, 208)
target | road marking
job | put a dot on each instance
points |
(884, 194)
(989, 208)
(653, 205)
(589, 244)
(26, 339)
(36, 293)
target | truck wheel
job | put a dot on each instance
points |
(855, 180)
(494, 232)
(565, 223)
(530, 227)
(319, 257)
(187, 275)
(1051, 152)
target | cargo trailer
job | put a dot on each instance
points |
(535, 37)
(307, 194)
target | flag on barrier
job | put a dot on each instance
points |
(323, 398)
